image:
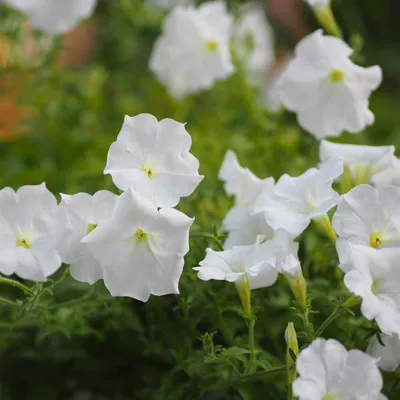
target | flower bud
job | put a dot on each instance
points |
(292, 349)
(299, 289)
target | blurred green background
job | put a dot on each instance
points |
(69, 112)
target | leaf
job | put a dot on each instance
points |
(236, 351)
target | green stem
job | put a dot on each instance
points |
(243, 288)
(251, 324)
(350, 302)
(325, 223)
(65, 276)
(334, 314)
(307, 325)
(259, 375)
(8, 302)
(326, 18)
(71, 303)
(17, 284)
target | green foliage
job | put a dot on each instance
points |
(67, 337)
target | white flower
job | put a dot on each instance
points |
(255, 262)
(29, 232)
(327, 371)
(368, 216)
(254, 41)
(141, 248)
(363, 162)
(389, 354)
(193, 50)
(318, 3)
(389, 176)
(55, 16)
(327, 91)
(153, 158)
(294, 202)
(244, 186)
(270, 93)
(246, 232)
(84, 212)
(375, 277)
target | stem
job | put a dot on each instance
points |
(307, 325)
(325, 16)
(350, 302)
(260, 375)
(70, 302)
(19, 285)
(8, 302)
(63, 278)
(325, 223)
(243, 288)
(251, 324)
(334, 314)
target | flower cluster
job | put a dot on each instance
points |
(54, 16)
(135, 241)
(193, 51)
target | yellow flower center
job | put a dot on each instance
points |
(330, 397)
(141, 235)
(375, 240)
(336, 76)
(23, 243)
(147, 171)
(211, 46)
(90, 228)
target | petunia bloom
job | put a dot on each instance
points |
(254, 42)
(328, 371)
(318, 3)
(363, 162)
(84, 213)
(246, 188)
(153, 158)
(389, 354)
(326, 89)
(375, 278)
(29, 232)
(368, 216)
(193, 50)
(389, 176)
(55, 16)
(141, 247)
(255, 262)
(295, 201)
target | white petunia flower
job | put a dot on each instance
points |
(318, 3)
(141, 247)
(363, 162)
(368, 216)
(246, 231)
(193, 50)
(244, 186)
(327, 371)
(389, 354)
(327, 91)
(376, 279)
(55, 16)
(153, 158)
(254, 42)
(270, 93)
(294, 202)
(84, 213)
(29, 232)
(256, 262)
(389, 176)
